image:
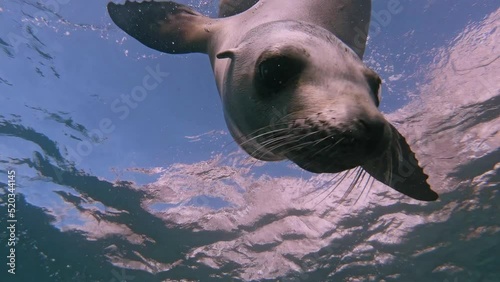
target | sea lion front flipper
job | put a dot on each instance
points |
(398, 168)
(229, 8)
(164, 26)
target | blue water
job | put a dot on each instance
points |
(85, 160)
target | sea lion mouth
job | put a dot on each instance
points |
(327, 156)
(322, 147)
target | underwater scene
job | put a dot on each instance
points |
(233, 140)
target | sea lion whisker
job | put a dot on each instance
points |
(370, 186)
(359, 171)
(297, 140)
(271, 134)
(308, 134)
(364, 186)
(330, 146)
(295, 147)
(282, 118)
(273, 144)
(275, 139)
(251, 137)
(345, 174)
(336, 175)
(389, 169)
(291, 141)
(322, 139)
(278, 142)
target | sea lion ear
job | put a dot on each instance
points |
(228, 54)
(164, 26)
(399, 169)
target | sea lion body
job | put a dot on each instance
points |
(292, 81)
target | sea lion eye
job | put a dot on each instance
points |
(275, 72)
(377, 90)
(375, 84)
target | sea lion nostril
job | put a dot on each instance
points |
(374, 128)
(375, 132)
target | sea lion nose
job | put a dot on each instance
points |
(376, 131)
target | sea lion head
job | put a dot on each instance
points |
(300, 93)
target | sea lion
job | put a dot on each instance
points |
(292, 81)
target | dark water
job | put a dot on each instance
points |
(158, 191)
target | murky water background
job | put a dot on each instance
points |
(158, 191)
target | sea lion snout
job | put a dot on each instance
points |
(331, 142)
(378, 134)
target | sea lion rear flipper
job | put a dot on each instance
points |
(399, 169)
(164, 26)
